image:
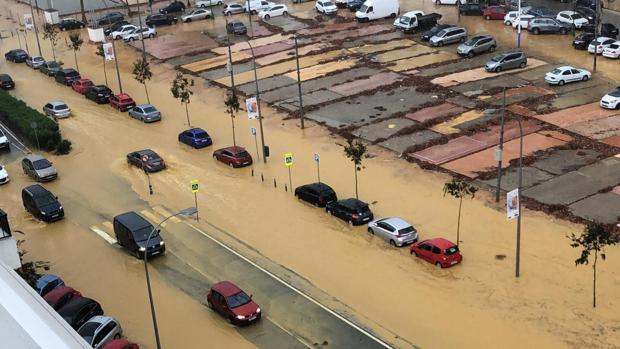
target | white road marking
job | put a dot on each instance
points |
(19, 145)
(294, 289)
(165, 213)
(104, 235)
(153, 218)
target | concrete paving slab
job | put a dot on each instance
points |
(603, 208)
(510, 180)
(370, 83)
(454, 149)
(511, 131)
(256, 43)
(356, 32)
(465, 64)
(487, 115)
(437, 111)
(616, 190)
(270, 48)
(290, 54)
(319, 70)
(328, 28)
(310, 99)
(462, 101)
(507, 81)
(222, 72)
(421, 61)
(566, 160)
(266, 84)
(536, 75)
(409, 52)
(182, 60)
(567, 117)
(519, 94)
(521, 110)
(400, 143)
(215, 62)
(383, 129)
(479, 74)
(448, 127)
(176, 44)
(287, 23)
(613, 140)
(386, 46)
(378, 38)
(598, 129)
(573, 99)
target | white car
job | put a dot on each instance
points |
(4, 141)
(571, 18)
(564, 74)
(325, 7)
(139, 34)
(208, 3)
(612, 99)
(448, 2)
(4, 176)
(122, 31)
(525, 20)
(196, 14)
(600, 43)
(273, 11)
(395, 231)
(612, 51)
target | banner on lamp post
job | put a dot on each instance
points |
(512, 204)
(108, 51)
(252, 107)
(28, 21)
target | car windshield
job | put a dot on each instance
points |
(615, 92)
(441, 33)
(201, 135)
(125, 100)
(497, 58)
(556, 71)
(238, 299)
(61, 107)
(73, 73)
(451, 250)
(243, 154)
(470, 42)
(149, 109)
(88, 331)
(53, 65)
(88, 83)
(37, 59)
(404, 19)
(45, 200)
(143, 233)
(405, 230)
(41, 164)
(576, 16)
(614, 46)
(363, 9)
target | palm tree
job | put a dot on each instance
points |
(458, 188)
(181, 90)
(76, 43)
(232, 107)
(355, 151)
(142, 72)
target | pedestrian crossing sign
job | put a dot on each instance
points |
(288, 159)
(195, 187)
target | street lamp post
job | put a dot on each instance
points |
(301, 104)
(185, 212)
(519, 24)
(518, 254)
(260, 115)
(36, 31)
(500, 149)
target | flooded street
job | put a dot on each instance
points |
(404, 301)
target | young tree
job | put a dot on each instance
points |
(30, 271)
(76, 43)
(593, 239)
(50, 32)
(458, 189)
(181, 90)
(100, 52)
(232, 107)
(142, 72)
(355, 151)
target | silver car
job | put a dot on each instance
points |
(449, 36)
(477, 44)
(35, 62)
(49, 68)
(145, 113)
(507, 60)
(57, 109)
(393, 230)
(39, 168)
(100, 330)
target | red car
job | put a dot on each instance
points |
(61, 296)
(121, 344)
(230, 301)
(438, 251)
(494, 12)
(233, 156)
(82, 85)
(122, 102)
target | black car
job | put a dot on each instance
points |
(542, 11)
(153, 162)
(114, 27)
(586, 13)
(160, 19)
(67, 76)
(607, 29)
(582, 41)
(6, 83)
(591, 4)
(354, 211)
(427, 35)
(175, 6)
(132, 232)
(42, 204)
(236, 27)
(80, 310)
(472, 9)
(110, 18)
(318, 194)
(100, 94)
(354, 5)
(70, 23)
(16, 56)
(49, 68)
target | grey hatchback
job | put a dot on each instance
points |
(547, 25)
(449, 36)
(507, 60)
(393, 230)
(477, 44)
(39, 168)
(145, 113)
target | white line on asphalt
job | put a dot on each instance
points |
(294, 289)
(104, 235)
(24, 149)
(299, 339)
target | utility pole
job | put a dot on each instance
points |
(597, 22)
(260, 114)
(301, 104)
(229, 66)
(500, 150)
(250, 18)
(36, 31)
(118, 72)
(519, 24)
(518, 254)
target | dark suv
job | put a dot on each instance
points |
(6, 83)
(547, 25)
(236, 27)
(16, 56)
(160, 19)
(42, 203)
(110, 18)
(100, 94)
(472, 9)
(153, 163)
(354, 211)
(427, 35)
(70, 23)
(132, 232)
(67, 76)
(318, 194)
(176, 6)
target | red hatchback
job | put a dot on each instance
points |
(494, 12)
(230, 301)
(121, 344)
(233, 156)
(122, 102)
(82, 85)
(61, 296)
(438, 251)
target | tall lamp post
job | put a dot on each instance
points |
(519, 24)
(185, 212)
(518, 254)
(260, 115)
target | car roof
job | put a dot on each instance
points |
(100, 319)
(146, 152)
(5, 77)
(36, 190)
(69, 70)
(123, 96)
(33, 157)
(235, 149)
(195, 130)
(118, 344)
(99, 87)
(226, 288)
(564, 67)
(396, 222)
(55, 294)
(47, 278)
(84, 80)
(56, 102)
(132, 220)
(319, 186)
(440, 242)
(74, 305)
(145, 105)
(411, 13)
(353, 203)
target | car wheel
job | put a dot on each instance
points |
(522, 65)
(492, 48)
(470, 54)
(563, 31)
(350, 222)
(203, 5)
(412, 252)
(62, 29)
(131, 39)
(536, 31)
(266, 17)
(371, 231)
(284, 13)
(498, 69)
(117, 336)
(228, 14)
(462, 39)
(231, 165)
(438, 265)
(437, 2)
(392, 243)
(440, 43)
(219, 3)
(561, 82)
(585, 78)
(188, 20)
(151, 36)
(231, 319)
(487, 18)
(209, 305)
(507, 23)
(215, 157)
(117, 37)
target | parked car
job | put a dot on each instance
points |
(35, 62)
(325, 7)
(523, 19)
(122, 101)
(57, 109)
(472, 9)
(612, 99)
(235, 156)
(82, 85)
(236, 28)
(586, 13)
(273, 11)
(132, 232)
(607, 29)
(231, 302)
(582, 41)
(255, 6)
(416, 20)
(46, 283)
(612, 51)
(80, 310)
(506, 60)
(119, 33)
(354, 211)
(16, 56)
(70, 23)
(476, 45)
(196, 14)
(438, 251)
(541, 11)
(564, 74)
(114, 27)
(571, 18)
(196, 138)
(232, 8)
(110, 18)
(60, 296)
(42, 204)
(140, 34)
(153, 163)
(39, 168)
(510, 16)
(99, 94)
(67, 76)
(49, 68)
(159, 19)
(434, 30)
(145, 113)
(394, 230)
(4, 141)
(6, 82)
(4, 175)
(447, 2)
(547, 25)
(354, 5)
(495, 13)
(317, 194)
(208, 3)
(449, 36)
(100, 330)
(175, 6)
(599, 44)
(121, 344)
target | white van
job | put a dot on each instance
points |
(255, 6)
(377, 9)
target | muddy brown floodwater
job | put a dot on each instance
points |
(474, 305)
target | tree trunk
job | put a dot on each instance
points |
(355, 168)
(148, 100)
(53, 52)
(83, 12)
(105, 74)
(458, 222)
(232, 120)
(77, 67)
(594, 280)
(187, 114)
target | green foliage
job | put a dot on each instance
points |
(355, 150)
(232, 104)
(99, 51)
(29, 271)
(76, 41)
(64, 147)
(181, 88)
(50, 32)
(458, 189)
(142, 70)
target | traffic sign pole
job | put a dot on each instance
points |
(255, 142)
(195, 189)
(196, 204)
(290, 182)
(317, 159)
(145, 158)
(288, 162)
